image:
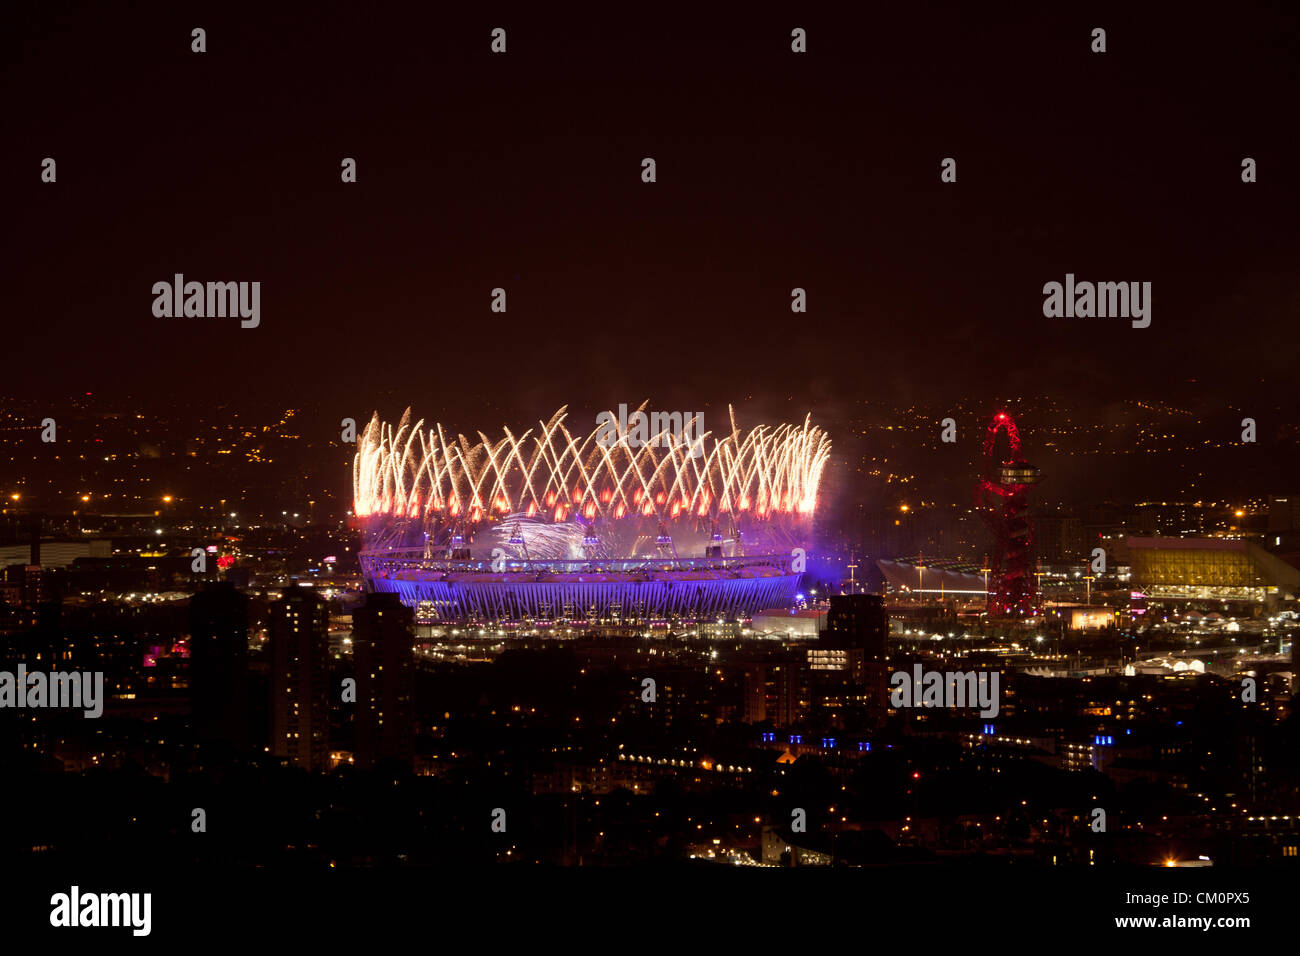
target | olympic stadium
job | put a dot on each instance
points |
(548, 527)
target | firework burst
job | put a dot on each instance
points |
(407, 476)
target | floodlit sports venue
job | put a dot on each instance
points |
(1210, 569)
(546, 527)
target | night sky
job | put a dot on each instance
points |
(775, 170)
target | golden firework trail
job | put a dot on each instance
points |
(412, 474)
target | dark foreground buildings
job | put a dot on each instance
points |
(300, 680)
(381, 651)
(219, 665)
(848, 663)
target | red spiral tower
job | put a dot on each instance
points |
(1003, 496)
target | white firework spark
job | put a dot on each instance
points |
(549, 477)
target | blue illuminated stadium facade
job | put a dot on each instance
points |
(606, 591)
